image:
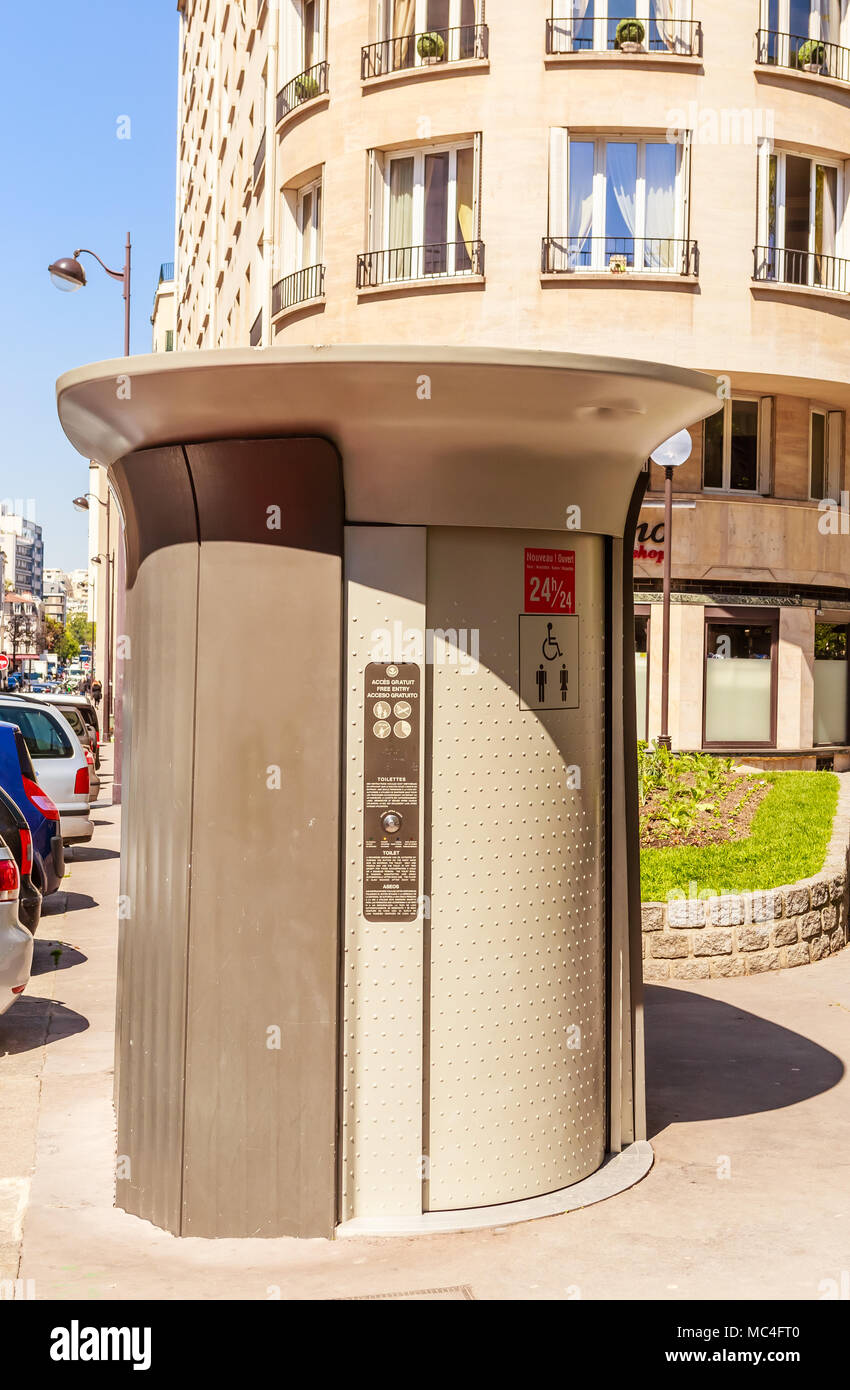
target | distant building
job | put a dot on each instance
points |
(77, 593)
(23, 638)
(164, 316)
(56, 589)
(22, 544)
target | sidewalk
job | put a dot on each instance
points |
(750, 1121)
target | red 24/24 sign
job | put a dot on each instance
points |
(550, 581)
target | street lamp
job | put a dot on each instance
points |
(669, 455)
(68, 275)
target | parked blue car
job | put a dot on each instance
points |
(17, 778)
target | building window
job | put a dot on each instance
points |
(739, 706)
(309, 224)
(817, 454)
(424, 215)
(831, 686)
(578, 26)
(731, 448)
(422, 33)
(618, 205)
(169, 340)
(801, 221)
(302, 216)
(806, 35)
(304, 43)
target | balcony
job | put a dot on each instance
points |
(621, 257)
(420, 264)
(680, 38)
(259, 159)
(256, 334)
(166, 271)
(423, 53)
(301, 288)
(802, 55)
(803, 270)
(307, 86)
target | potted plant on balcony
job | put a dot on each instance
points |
(306, 87)
(618, 264)
(630, 36)
(431, 48)
(811, 56)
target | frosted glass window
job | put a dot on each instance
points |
(830, 684)
(738, 683)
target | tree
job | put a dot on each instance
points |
(80, 629)
(23, 630)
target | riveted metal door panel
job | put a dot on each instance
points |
(516, 1066)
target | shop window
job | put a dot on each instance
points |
(731, 448)
(831, 687)
(740, 679)
(642, 672)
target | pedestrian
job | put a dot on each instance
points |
(96, 693)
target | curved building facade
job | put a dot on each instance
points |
(650, 178)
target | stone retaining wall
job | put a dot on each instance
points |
(747, 933)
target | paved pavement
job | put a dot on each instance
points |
(749, 1196)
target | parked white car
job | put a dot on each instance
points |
(60, 762)
(15, 941)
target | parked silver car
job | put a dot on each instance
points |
(59, 760)
(15, 941)
(85, 716)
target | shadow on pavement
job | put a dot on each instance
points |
(32, 1022)
(54, 955)
(707, 1060)
(81, 854)
(63, 901)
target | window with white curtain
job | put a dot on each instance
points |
(790, 31)
(425, 218)
(617, 203)
(802, 219)
(450, 26)
(309, 225)
(597, 25)
(303, 34)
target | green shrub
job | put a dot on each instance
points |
(812, 51)
(306, 88)
(431, 46)
(629, 31)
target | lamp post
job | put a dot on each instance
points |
(669, 455)
(68, 275)
(82, 504)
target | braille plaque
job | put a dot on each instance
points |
(392, 715)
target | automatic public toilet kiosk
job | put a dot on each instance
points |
(379, 952)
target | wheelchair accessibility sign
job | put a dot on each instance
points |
(548, 662)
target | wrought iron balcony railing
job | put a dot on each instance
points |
(260, 158)
(433, 48)
(299, 288)
(256, 330)
(808, 269)
(166, 271)
(436, 261)
(305, 87)
(620, 255)
(801, 54)
(680, 38)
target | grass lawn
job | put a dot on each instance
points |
(787, 840)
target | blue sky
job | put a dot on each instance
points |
(69, 73)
